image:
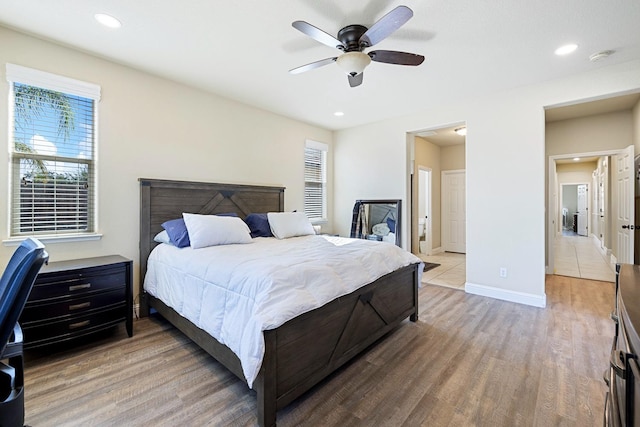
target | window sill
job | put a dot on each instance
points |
(15, 241)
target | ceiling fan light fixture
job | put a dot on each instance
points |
(353, 63)
(461, 131)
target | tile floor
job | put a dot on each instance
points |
(452, 272)
(575, 256)
(579, 256)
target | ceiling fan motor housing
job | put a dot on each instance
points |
(350, 37)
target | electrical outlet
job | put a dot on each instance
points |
(503, 272)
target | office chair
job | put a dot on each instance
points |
(15, 285)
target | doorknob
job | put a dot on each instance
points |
(630, 227)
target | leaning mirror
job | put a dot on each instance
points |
(377, 220)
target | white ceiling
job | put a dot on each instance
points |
(243, 49)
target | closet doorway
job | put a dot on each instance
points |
(432, 156)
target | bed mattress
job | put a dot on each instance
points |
(234, 292)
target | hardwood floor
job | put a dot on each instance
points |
(468, 361)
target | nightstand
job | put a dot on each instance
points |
(72, 299)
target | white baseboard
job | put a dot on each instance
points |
(437, 250)
(506, 295)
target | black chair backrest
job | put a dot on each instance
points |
(16, 283)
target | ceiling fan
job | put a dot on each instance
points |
(354, 39)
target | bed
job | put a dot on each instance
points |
(330, 335)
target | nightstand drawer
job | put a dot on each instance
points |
(45, 310)
(73, 326)
(69, 285)
(74, 298)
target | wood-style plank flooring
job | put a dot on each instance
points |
(469, 361)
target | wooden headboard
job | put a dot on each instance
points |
(162, 200)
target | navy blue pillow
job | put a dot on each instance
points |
(259, 225)
(228, 214)
(391, 223)
(177, 231)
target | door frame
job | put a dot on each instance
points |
(560, 197)
(552, 201)
(428, 208)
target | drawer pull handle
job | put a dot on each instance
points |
(79, 306)
(78, 287)
(79, 324)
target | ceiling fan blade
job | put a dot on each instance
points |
(317, 34)
(394, 57)
(386, 25)
(312, 65)
(355, 80)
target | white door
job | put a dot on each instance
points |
(454, 220)
(624, 203)
(583, 201)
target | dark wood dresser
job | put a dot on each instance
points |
(72, 299)
(622, 401)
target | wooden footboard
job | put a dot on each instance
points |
(315, 344)
(308, 348)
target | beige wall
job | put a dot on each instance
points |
(453, 157)
(154, 128)
(589, 134)
(574, 173)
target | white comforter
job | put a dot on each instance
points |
(234, 292)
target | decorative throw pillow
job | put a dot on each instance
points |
(259, 225)
(177, 231)
(289, 224)
(391, 223)
(213, 230)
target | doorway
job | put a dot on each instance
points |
(603, 128)
(574, 204)
(584, 236)
(431, 155)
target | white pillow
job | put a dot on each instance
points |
(162, 237)
(212, 230)
(289, 224)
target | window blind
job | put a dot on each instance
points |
(315, 193)
(52, 159)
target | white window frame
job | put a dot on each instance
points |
(324, 150)
(45, 80)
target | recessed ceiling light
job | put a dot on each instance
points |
(566, 49)
(461, 131)
(338, 114)
(576, 159)
(107, 20)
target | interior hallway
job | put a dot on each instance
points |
(579, 256)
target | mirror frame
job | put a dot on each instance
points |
(397, 202)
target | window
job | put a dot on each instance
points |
(315, 181)
(52, 153)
